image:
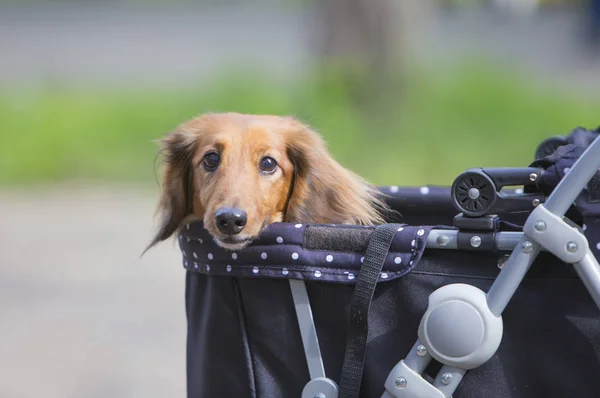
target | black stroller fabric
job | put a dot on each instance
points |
(243, 334)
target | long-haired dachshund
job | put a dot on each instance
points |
(239, 173)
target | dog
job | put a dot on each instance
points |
(239, 173)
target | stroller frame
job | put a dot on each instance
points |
(462, 327)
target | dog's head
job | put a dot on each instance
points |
(240, 173)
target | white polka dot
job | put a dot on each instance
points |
(255, 270)
(207, 267)
(210, 256)
(350, 276)
(285, 271)
(584, 227)
(598, 246)
(384, 275)
(400, 229)
(234, 256)
(228, 268)
(411, 263)
(187, 227)
(263, 256)
(195, 255)
(279, 239)
(394, 189)
(200, 240)
(318, 273)
(362, 259)
(421, 232)
(185, 264)
(329, 258)
(567, 169)
(424, 190)
(298, 225)
(397, 260)
(519, 191)
(196, 265)
(295, 256)
(413, 243)
(180, 237)
(188, 240)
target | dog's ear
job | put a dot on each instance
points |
(323, 191)
(177, 189)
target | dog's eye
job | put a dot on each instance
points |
(211, 161)
(268, 165)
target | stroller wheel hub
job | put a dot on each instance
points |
(458, 328)
(474, 193)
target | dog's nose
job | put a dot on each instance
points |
(231, 221)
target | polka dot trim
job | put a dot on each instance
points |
(424, 190)
(268, 257)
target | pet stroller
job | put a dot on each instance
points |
(481, 291)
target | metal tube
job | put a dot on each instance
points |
(307, 329)
(512, 275)
(448, 239)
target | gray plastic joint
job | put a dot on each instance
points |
(403, 382)
(321, 387)
(555, 235)
(458, 328)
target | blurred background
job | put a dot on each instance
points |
(405, 93)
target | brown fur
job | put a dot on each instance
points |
(308, 187)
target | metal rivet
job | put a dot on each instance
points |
(400, 382)
(474, 193)
(572, 247)
(533, 177)
(540, 225)
(502, 260)
(475, 241)
(421, 350)
(447, 378)
(536, 202)
(320, 395)
(527, 247)
(443, 240)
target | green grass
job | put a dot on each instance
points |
(435, 126)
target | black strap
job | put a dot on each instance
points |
(358, 326)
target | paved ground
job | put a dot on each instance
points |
(81, 316)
